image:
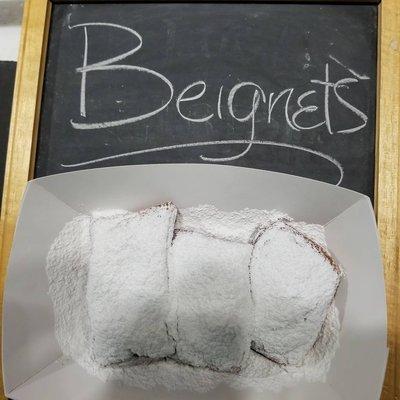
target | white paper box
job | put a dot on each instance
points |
(30, 351)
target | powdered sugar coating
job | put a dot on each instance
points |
(258, 373)
(67, 271)
(293, 285)
(209, 281)
(127, 288)
(67, 267)
(314, 232)
(239, 226)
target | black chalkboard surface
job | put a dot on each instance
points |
(282, 87)
(7, 75)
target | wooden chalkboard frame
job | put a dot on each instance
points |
(24, 127)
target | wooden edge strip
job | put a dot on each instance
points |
(388, 182)
(322, 2)
(23, 126)
(40, 90)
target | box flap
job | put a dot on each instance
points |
(359, 366)
(28, 323)
(226, 187)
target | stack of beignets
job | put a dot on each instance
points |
(202, 287)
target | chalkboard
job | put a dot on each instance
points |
(282, 87)
(7, 75)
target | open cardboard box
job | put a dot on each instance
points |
(31, 365)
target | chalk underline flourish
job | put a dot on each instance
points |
(213, 143)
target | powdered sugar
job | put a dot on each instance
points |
(213, 327)
(70, 263)
(67, 271)
(128, 282)
(240, 226)
(293, 285)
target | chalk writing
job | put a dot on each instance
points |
(296, 106)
